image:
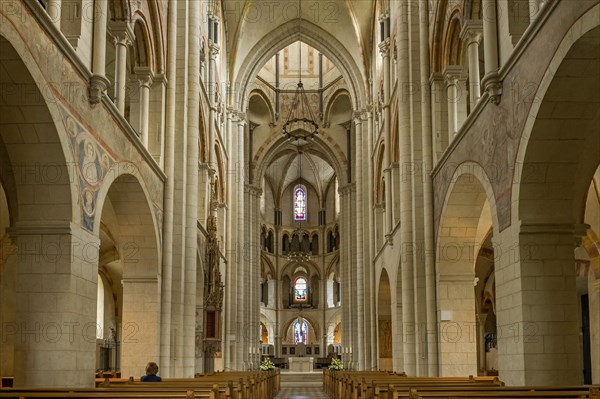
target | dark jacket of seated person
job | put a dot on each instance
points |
(151, 370)
(150, 378)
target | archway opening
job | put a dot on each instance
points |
(465, 223)
(130, 254)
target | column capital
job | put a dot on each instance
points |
(122, 33)
(472, 31)
(436, 77)
(144, 75)
(359, 116)
(214, 50)
(240, 117)
(253, 190)
(384, 48)
(453, 74)
(347, 189)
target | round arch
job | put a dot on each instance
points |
(42, 197)
(256, 92)
(332, 100)
(469, 198)
(561, 169)
(124, 198)
(143, 47)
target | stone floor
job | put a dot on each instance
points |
(301, 385)
(301, 393)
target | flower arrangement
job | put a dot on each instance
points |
(336, 365)
(267, 365)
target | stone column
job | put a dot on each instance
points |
(371, 247)
(123, 36)
(471, 36)
(452, 75)
(99, 83)
(157, 119)
(439, 115)
(169, 194)
(428, 224)
(167, 247)
(145, 78)
(360, 344)
(55, 296)
(54, 12)
(491, 81)
(384, 48)
(406, 206)
(191, 192)
(254, 246)
(534, 9)
(594, 310)
(537, 304)
(242, 291)
(344, 192)
(212, 95)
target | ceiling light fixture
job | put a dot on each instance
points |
(300, 125)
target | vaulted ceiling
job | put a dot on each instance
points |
(248, 22)
(286, 169)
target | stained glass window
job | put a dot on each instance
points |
(300, 289)
(299, 203)
(300, 332)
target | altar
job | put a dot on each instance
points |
(301, 364)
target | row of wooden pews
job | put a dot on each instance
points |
(389, 385)
(223, 385)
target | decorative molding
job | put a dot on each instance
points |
(98, 86)
(140, 280)
(492, 84)
(384, 48)
(46, 227)
(577, 230)
(472, 31)
(122, 32)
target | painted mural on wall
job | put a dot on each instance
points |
(93, 164)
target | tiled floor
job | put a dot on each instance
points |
(301, 393)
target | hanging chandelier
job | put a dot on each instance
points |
(298, 249)
(300, 126)
(299, 246)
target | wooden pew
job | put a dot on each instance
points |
(373, 384)
(380, 385)
(249, 385)
(499, 393)
(25, 394)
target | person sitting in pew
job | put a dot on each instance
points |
(151, 370)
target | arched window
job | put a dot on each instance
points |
(300, 202)
(300, 332)
(300, 290)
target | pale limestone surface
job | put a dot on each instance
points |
(452, 232)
